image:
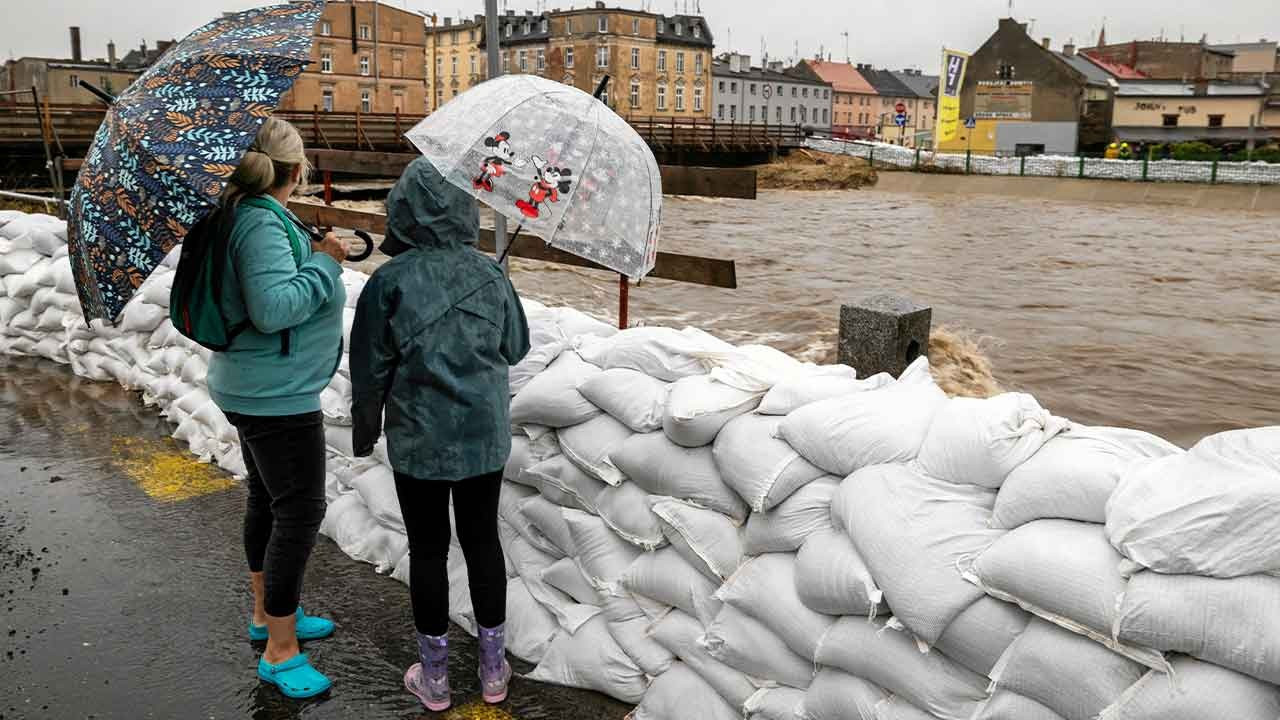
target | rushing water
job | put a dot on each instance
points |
(1160, 318)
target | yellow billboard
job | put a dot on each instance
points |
(953, 66)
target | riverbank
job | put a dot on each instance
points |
(812, 170)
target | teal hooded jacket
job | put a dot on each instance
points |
(435, 331)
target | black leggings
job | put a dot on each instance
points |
(285, 459)
(425, 507)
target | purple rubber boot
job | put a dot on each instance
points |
(495, 671)
(429, 679)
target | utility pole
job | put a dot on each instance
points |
(435, 63)
(495, 69)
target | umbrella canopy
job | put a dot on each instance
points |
(558, 161)
(170, 142)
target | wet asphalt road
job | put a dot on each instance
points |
(123, 592)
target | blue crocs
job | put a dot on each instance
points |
(309, 627)
(295, 677)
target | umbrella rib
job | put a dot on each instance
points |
(595, 140)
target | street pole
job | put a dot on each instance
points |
(495, 69)
(435, 62)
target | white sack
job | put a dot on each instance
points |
(663, 353)
(831, 382)
(843, 434)
(526, 453)
(913, 531)
(706, 539)
(627, 510)
(552, 398)
(589, 445)
(1006, 705)
(25, 284)
(1213, 511)
(1234, 623)
(602, 555)
(765, 588)
(665, 576)
(155, 290)
(630, 397)
(780, 703)
(832, 578)
(662, 467)
(680, 634)
(47, 242)
(976, 441)
(8, 309)
(510, 501)
(530, 628)
(762, 469)
(629, 624)
(18, 261)
(565, 576)
(837, 695)
(348, 523)
(1196, 691)
(1067, 673)
(563, 483)
(547, 517)
(698, 407)
(892, 660)
(575, 323)
(897, 708)
(1072, 476)
(64, 280)
(590, 658)
(533, 364)
(746, 645)
(680, 693)
(787, 526)
(979, 636)
(142, 316)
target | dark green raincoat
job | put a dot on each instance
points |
(435, 330)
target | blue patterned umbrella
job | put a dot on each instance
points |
(171, 141)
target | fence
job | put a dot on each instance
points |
(1065, 166)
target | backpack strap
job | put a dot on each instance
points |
(295, 244)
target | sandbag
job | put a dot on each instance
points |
(530, 627)
(540, 356)
(895, 707)
(1234, 623)
(142, 316)
(511, 500)
(630, 397)
(552, 398)
(628, 624)
(602, 555)
(787, 526)
(1064, 571)
(1214, 510)
(46, 240)
(661, 467)
(547, 517)
(663, 353)
(837, 695)
(350, 525)
(155, 290)
(979, 441)
(1067, 673)
(1006, 705)
(912, 531)
(681, 693)
(25, 284)
(980, 635)
(565, 576)
(627, 510)
(705, 538)
(8, 309)
(762, 469)
(589, 445)
(590, 658)
(765, 588)
(844, 434)
(18, 261)
(665, 576)
(832, 578)
(698, 407)
(574, 323)
(526, 453)
(892, 660)
(746, 645)
(564, 483)
(680, 634)
(1072, 476)
(1196, 691)
(831, 381)
(780, 703)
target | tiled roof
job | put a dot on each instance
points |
(1155, 88)
(924, 86)
(842, 76)
(886, 83)
(1093, 73)
(1120, 71)
(721, 68)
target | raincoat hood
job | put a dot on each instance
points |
(428, 212)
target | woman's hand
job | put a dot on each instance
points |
(333, 246)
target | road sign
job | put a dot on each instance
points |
(900, 108)
(970, 123)
(900, 119)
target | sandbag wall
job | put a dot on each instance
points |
(722, 532)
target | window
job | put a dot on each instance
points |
(568, 26)
(473, 65)
(1215, 121)
(697, 63)
(1005, 72)
(524, 29)
(662, 97)
(804, 114)
(635, 58)
(364, 32)
(826, 94)
(602, 24)
(778, 114)
(439, 97)
(764, 114)
(326, 28)
(733, 113)
(439, 68)
(751, 113)
(793, 114)
(679, 62)
(568, 57)
(471, 35)
(679, 98)
(697, 30)
(826, 116)
(326, 61)
(453, 65)
(455, 92)
(602, 56)
(679, 28)
(733, 86)
(506, 63)
(635, 94)
(662, 61)
(366, 105)
(364, 65)
(524, 61)
(804, 92)
(542, 25)
(697, 99)
(752, 89)
(793, 91)
(884, 102)
(720, 112)
(542, 59)
(1171, 121)
(635, 26)
(453, 38)
(397, 97)
(721, 86)
(662, 25)
(509, 30)
(326, 99)
(604, 96)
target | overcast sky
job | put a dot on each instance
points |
(886, 33)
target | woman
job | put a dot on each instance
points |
(434, 333)
(287, 296)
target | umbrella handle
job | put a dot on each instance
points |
(318, 236)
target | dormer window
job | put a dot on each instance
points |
(679, 28)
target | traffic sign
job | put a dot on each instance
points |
(900, 108)
(970, 123)
(900, 119)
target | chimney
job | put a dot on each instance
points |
(1044, 43)
(75, 44)
(599, 5)
(143, 47)
(111, 53)
(448, 22)
(1069, 50)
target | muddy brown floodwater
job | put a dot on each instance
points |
(1160, 318)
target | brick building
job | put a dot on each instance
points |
(746, 94)
(1161, 60)
(58, 79)
(368, 57)
(854, 102)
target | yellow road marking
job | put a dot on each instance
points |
(477, 710)
(165, 471)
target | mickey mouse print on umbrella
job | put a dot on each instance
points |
(555, 159)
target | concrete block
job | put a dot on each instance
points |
(883, 333)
